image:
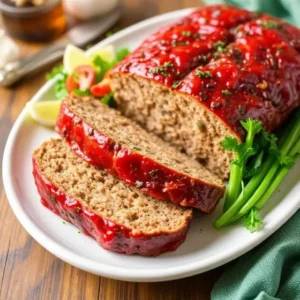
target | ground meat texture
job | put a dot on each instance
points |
(119, 217)
(252, 72)
(104, 138)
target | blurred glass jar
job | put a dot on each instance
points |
(34, 23)
(87, 9)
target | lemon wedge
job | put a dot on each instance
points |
(44, 112)
(106, 53)
(74, 57)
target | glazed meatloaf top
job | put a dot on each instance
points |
(235, 63)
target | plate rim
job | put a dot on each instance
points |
(99, 268)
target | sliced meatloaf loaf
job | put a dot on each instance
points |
(249, 67)
(104, 138)
(119, 217)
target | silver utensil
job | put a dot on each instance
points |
(79, 36)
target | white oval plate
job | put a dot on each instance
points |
(205, 247)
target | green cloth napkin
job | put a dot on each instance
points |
(270, 271)
(285, 9)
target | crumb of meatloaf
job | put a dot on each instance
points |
(127, 132)
(106, 195)
(176, 118)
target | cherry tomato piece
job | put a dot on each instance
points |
(85, 76)
(71, 84)
(100, 89)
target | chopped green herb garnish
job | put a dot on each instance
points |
(137, 149)
(168, 64)
(162, 70)
(203, 74)
(186, 33)
(64, 222)
(219, 44)
(175, 84)
(270, 24)
(226, 92)
(220, 47)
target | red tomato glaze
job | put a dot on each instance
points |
(251, 66)
(108, 234)
(257, 76)
(133, 167)
(173, 51)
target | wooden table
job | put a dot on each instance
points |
(27, 271)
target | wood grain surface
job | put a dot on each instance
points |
(27, 271)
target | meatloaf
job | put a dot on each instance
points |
(193, 81)
(105, 139)
(119, 217)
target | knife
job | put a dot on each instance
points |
(79, 36)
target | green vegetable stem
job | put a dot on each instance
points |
(274, 167)
(242, 153)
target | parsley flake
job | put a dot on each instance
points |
(219, 45)
(271, 24)
(226, 92)
(186, 33)
(203, 74)
(162, 70)
(175, 84)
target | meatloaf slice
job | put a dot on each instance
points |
(247, 74)
(119, 217)
(105, 139)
